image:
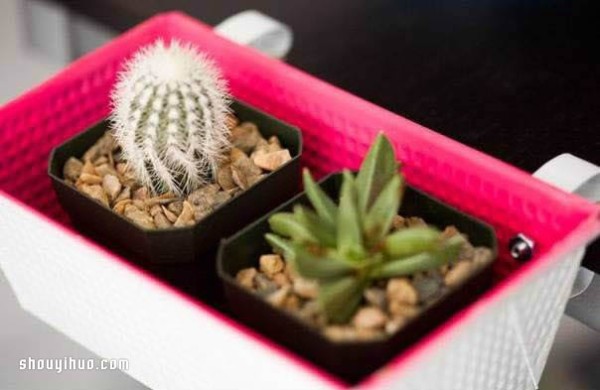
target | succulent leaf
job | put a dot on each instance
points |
(322, 203)
(451, 247)
(349, 227)
(311, 266)
(378, 219)
(286, 224)
(281, 246)
(424, 261)
(411, 241)
(340, 298)
(322, 230)
(377, 169)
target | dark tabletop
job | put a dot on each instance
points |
(518, 79)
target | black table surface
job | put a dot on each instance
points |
(517, 79)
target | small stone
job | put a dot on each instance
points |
(449, 232)
(88, 168)
(221, 197)
(245, 277)
(203, 199)
(428, 286)
(202, 192)
(106, 144)
(415, 222)
(201, 213)
(281, 279)
(160, 200)
(375, 297)
(231, 121)
(120, 205)
(264, 285)
(310, 311)
(169, 214)
(72, 169)
(398, 309)
(176, 207)
(245, 136)
(340, 333)
(129, 179)
(292, 303)
(111, 185)
(105, 169)
(482, 256)
(240, 160)
(369, 318)
(95, 192)
(86, 178)
(91, 154)
(272, 161)
(274, 144)
(238, 178)
(271, 265)
(262, 147)
(459, 273)
(155, 210)
(122, 168)
(139, 217)
(278, 297)
(140, 204)
(224, 177)
(394, 325)
(398, 222)
(290, 272)
(307, 289)
(236, 155)
(141, 193)
(467, 251)
(402, 291)
(161, 221)
(186, 218)
(102, 160)
(235, 191)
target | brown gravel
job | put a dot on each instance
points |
(102, 174)
(387, 305)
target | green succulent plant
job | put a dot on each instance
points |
(349, 245)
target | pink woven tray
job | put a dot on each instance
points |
(337, 128)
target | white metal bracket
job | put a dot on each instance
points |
(581, 177)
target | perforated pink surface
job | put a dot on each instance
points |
(337, 129)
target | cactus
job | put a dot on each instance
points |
(348, 246)
(170, 108)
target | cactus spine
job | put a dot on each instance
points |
(170, 107)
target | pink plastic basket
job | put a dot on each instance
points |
(337, 128)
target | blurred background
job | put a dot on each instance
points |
(497, 75)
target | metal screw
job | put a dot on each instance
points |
(521, 247)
